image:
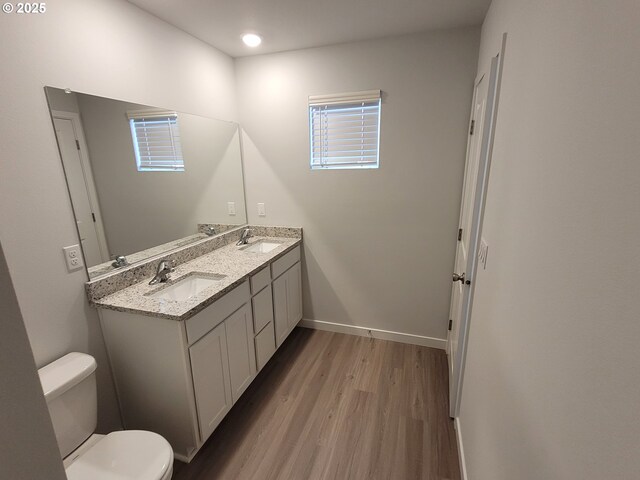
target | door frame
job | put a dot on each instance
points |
(87, 173)
(484, 166)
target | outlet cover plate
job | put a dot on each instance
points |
(73, 257)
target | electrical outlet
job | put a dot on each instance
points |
(73, 257)
(231, 208)
(262, 212)
(483, 251)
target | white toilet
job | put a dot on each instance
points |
(69, 386)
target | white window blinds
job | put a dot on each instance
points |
(345, 130)
(156, 141)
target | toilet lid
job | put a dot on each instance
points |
(127, 455)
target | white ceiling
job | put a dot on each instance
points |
(294, 24)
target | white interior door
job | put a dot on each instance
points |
(81, 190)
(462, 268)
(471, 209)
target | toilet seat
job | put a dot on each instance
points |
(126, 455)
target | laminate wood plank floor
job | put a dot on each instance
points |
(335, 406)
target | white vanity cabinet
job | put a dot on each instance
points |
(223, 364)
(180, 378)
(277, 303)
(287, 296)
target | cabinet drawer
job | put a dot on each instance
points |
(260, 280)
(265, 345)
(283, 263)
(211, 316)
(262, 309)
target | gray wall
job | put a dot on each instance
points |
(29, 449)
(143, 209)
(109, 48)
(551, 386)
(379, 244)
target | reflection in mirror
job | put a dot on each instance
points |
(145, 180)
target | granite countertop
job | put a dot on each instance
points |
(233, 261)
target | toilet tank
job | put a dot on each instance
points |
(69, 386)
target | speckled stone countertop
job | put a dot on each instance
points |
(234, 262)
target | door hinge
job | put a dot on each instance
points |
(473, 124)
(77, 144)
(450, 324)
(459, 234)
(93, 215)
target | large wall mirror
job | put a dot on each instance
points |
(145, 180)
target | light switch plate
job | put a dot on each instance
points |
(483, 251)
(231, 208)
(73, 257)
(262, 212)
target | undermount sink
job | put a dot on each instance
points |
(262, 246)
(187, 287)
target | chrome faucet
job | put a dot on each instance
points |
(119, 261)
(244, 238)
(209, 230)
(165, 267)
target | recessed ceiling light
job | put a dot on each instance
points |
(251, 39)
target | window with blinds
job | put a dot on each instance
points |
(156, 141)
(344, 130)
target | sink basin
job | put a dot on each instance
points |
(187, 287)
(262, 246)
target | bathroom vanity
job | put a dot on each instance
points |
(184, 351)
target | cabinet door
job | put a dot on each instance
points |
(210, 369)
(242, 353)
(280, 312)
(294, 295)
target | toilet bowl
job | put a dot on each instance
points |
(70, 390)
(130, 454)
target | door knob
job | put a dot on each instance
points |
(458, 278)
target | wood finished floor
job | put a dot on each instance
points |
(334, 406)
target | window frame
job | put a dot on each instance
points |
(370, 97)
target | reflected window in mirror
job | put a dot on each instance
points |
(156, 141)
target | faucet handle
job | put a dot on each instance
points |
(244, 236)
(166, 263)
(119, 261)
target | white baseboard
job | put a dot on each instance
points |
(375, 333)
(463, 462)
